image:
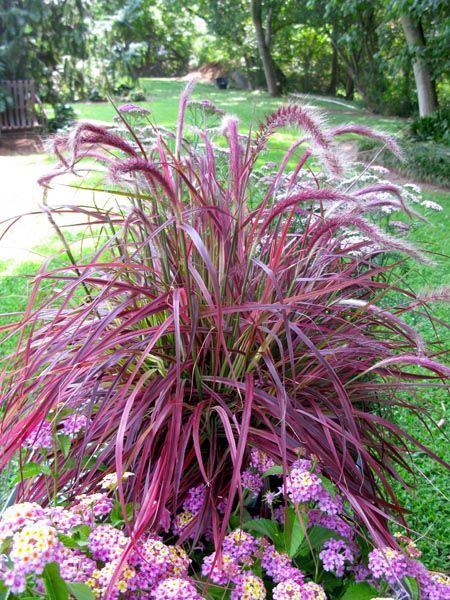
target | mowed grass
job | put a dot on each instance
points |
(249, 106)
(428, 502)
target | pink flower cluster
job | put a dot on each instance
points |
(393, 565)
(251, 478)
(248, 586)
(279, 567)
(74, 424)
(221, 570)
(291, 590)
(303, 486)
(335, 554)
(177, 588)
(92, 506)
(195, 499)
(240, 545)
(193, 503)
(106, 543)
(33, 546)
(41, 438)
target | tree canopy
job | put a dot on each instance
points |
(389, 53)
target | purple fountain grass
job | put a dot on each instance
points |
(209, 328)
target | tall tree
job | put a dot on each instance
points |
(263, 35)
(426, 89)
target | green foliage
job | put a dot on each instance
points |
(434, 127)
(44, 41)
(137, 95)
(55, 586)
(424, 161)
(360, 591)
(80, 591)
(96, 96)
(64, 115)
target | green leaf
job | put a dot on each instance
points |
(31, 469)
(81, 591)
(54, 584)
(297, 534)
(83, 531)
(328, 485)
(275, 470)
(4, 591)
(265, 527)
(360, 591)
(317, 536)
(413, 587)
(64, 443)
(68, 541)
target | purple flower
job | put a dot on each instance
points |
(252, 482)
(73, 424)
(195, 499)
(389, 564)
(334, 555)
(41, 438)
(181, 521)
(106, 543)
(92, 505)
(220, 572)
(328, 504)
(248, 587)
(174, 587)
(260, 461)
(154, 561)
(433, 586)
(279, 567)
(303, 486)
(132, 108)
(292, 590)
(333, 522)
(240, 545)
(75, 566)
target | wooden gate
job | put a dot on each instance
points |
(22, 113)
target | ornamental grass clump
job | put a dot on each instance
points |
(229, 305)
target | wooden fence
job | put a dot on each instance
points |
(22, 113)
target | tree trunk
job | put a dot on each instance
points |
(263, 47)
(426, 90)
(332, 87)
(349, 88)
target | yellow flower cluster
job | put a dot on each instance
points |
(252, 588)
(34, 546)
(179, 560)
(101, 579)
(440, 578)
(110, 482)
(316, 589)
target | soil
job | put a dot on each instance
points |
(13, 144)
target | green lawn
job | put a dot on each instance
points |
(250, 107)
(429, 503)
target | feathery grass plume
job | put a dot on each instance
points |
(306, 119)
(385, 138)
(211, 328)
